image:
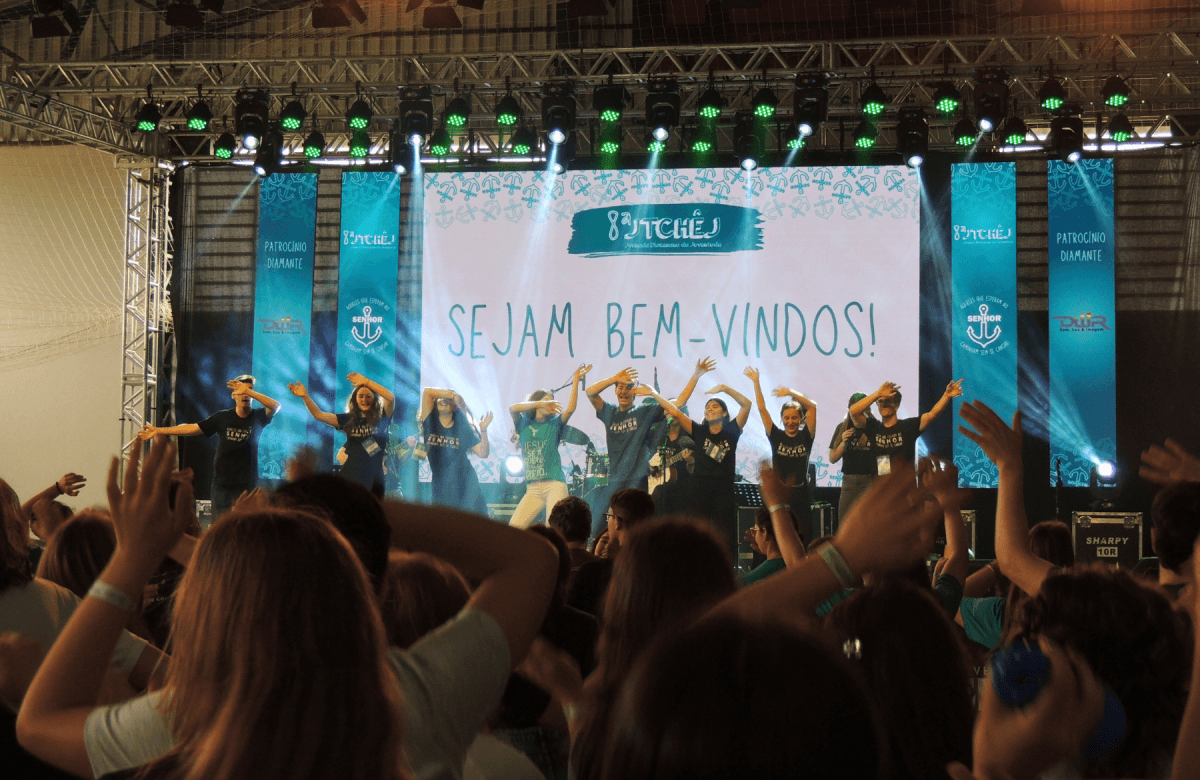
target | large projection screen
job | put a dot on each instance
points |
(811, 275)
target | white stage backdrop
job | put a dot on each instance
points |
(810, 274)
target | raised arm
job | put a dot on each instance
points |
(429, 397)
(300, 391)
(763, 413)
(810, 407)
(483, 448)
(703, 366)
(389, 399)
(668, 407)
(68, 484)
(1169, 463)
(743, 402)
(941, 480)
(625, 376)
(1002, 445)
(64, 690)
(858, 410)
(576, 380)
(888, 530)
(516, 571)
(270, 404)
(953, 390)
(150, 431)
(775, 495)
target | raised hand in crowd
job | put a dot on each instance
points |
(775, 495)
(1169, 463)
(1022, 743)
(251, 500)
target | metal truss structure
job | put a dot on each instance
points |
(1162, 69)
(146, 322)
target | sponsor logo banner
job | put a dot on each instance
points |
(368, 264)
(283, 285)
(983, 245)
(1083, 346)
(665, 229)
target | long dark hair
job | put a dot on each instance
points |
(1135, 641)
(669, 572)
(734, 698)
(14, 544)
(356, 415)
(917, 673)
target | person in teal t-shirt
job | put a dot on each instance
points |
(539, 421)
(762, 540)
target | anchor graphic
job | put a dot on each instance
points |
(983, 338)
(366, 337)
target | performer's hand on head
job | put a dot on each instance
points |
(240, 388)
(716, 389)
(888, 389)
(628, 376)
(297, 389)
(550, 407)
(642, 390)
(782, 392)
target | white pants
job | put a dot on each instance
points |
(540, 495)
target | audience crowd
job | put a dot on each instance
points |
(317, 632)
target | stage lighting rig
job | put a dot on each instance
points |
(946, 97)
(765, 103)
(1104, 485)
(523, 141)
(609, 102)
(403, 157)
(439, 142)
(865, 135)
(704, 138)
(965, 132)
(1120, 129)
(609, 141)
(1115, 92)
(458, 111)
(148, 115)
(199, 115)
(912, 136)
(359, 114)
(991, 97)
(662, 108)
(250, 116)
(314, 145)
(1052, 95)
(224, 146)
(415, 114)
(746, 141)
(1014, 130)
(360, 144)
(292, 117)
(810, 103)
(558, 111)
(270, 153)
(508, 111)
(1066, 134)
(873, 100)
(710, 104)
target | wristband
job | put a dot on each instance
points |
(837, 564)
(775, 507)
(112, 595)
(61, 492)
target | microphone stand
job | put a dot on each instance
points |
(1057, 487)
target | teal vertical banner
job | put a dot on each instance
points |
(983, 241)
(283, 292)
(368, 264)
(1083, 344)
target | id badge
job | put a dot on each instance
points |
(883, 465)
(371, 446)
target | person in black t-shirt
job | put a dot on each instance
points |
(672, 466)
(235, 467)
(365, 423)
(791, 446)
(891, 437)
(448, 436)
(858, 467)
(716, 439)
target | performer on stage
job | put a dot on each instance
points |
(627, 429)
(790, 446)
(671, 468)
(235, 467)
(892, 438)
(858, 468)
(365, 423)
(539, 422)
(449, 434)
(716, 441)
